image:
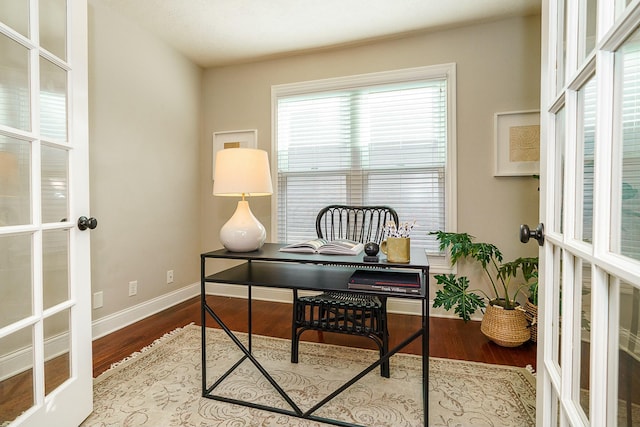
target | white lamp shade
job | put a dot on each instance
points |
(242, 171)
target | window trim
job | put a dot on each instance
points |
(438, 264)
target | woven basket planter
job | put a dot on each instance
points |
(507, 328)
(531, 314)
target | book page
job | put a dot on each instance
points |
(342, 247)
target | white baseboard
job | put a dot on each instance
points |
(20, 360)
(113, 322)
(441, 312)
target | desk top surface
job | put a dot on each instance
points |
(271, 252)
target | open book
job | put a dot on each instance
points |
(323, 246)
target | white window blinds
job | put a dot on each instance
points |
(373, 145)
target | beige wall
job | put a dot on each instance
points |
(153, 113)
(144, 145)
(498, 70)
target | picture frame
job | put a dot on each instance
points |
(232, 139)
(517, 143)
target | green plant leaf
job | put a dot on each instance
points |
(459, 244)
(455, 294)
(484, 252)
(528, 266)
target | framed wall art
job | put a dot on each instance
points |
(517, 143)
(232, 139)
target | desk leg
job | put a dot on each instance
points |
(296, 411)
(247, 355)
(203, 338)
(249, 319)
(425, 360)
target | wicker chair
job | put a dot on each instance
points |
(346, 312)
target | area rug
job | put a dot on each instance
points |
(161, 386)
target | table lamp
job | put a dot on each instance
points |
(242, 172)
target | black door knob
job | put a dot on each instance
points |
(526, 233)
(84, 223)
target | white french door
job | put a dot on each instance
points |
(589, 346)
(45, 288)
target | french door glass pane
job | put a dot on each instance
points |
(56, 350)
(556, 286)
(628, 160)
(555, 409)
(16, 282)
(55, 267)
(53, 26)
(583, 311)
(629, 356)
(55, 185)
(15, 101)
(589, 16)
(561, 45)
(15, 177)
(559, 159)
(16, 380)
(53, 101)
(15, 14)
(587, 100)
(620, 6)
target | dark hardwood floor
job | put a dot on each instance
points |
(449, 338)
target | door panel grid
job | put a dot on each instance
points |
(44, 316)
(591, 283)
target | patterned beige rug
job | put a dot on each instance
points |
(161, 386)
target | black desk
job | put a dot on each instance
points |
(268, 267)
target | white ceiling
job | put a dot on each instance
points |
(221, 32)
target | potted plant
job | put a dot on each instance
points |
(503, 321)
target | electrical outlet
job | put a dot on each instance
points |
(169, 276)
(133, 288)
(97, 299)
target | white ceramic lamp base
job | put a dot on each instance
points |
(243, 232)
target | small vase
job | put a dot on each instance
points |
(507, 328)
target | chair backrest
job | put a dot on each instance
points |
(360, 223)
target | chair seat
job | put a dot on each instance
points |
(345, 299)
(341, 312)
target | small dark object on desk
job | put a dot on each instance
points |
(371, 248)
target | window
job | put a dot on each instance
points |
(376, 139)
